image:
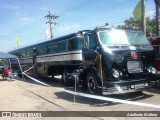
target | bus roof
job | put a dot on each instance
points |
(51, 41)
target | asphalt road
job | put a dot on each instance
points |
(28, 95)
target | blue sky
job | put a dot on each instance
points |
(26, 18)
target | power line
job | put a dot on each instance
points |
(23, 28)
(80, 5)
(95, 14)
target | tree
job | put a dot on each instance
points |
(150, 24)
(133, 22)
(157, 2)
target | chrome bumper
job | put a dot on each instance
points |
(125, 89)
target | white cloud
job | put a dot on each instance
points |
(25, 18)
(43, 9)
(150, 13)
(9, 6)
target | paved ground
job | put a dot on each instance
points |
(28, 96)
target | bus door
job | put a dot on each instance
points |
(91, 46)
(92, 59)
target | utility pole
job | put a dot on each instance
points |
(157, 17)
(143, 16)
(51, 21)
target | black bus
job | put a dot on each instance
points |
(105, 60)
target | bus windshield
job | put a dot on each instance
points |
(122, 37)
(137, 38)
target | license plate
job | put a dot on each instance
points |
(134, 66)
(138, 86)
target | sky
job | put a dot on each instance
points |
(26, 18)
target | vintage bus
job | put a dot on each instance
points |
(105, 60)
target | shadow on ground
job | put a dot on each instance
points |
(94, 102)
(84, 100)
(155, 90)
(50, 81)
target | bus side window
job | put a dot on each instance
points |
(76, 43)
(92, 41)
(42, 50)
(63, 46)
(29, 53)
(53, 48)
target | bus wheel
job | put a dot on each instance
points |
(65, 76)
(91, 83)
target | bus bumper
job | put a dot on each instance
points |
(120, 87)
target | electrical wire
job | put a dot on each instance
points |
(68, 11)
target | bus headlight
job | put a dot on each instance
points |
(152, 70)
(115, 73)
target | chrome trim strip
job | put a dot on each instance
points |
(65, 56)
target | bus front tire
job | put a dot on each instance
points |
(92, 84)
